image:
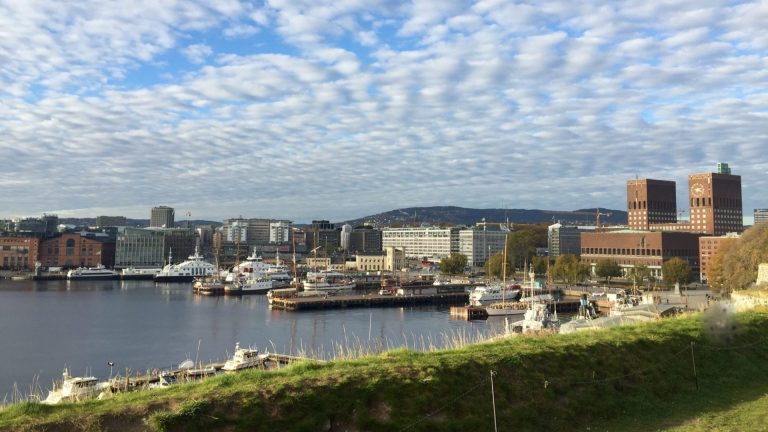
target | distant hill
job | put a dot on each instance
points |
(469, 216)
(81, 222)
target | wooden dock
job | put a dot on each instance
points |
(367, 300)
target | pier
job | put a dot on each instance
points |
(367, 300)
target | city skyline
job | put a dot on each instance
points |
(338, 110)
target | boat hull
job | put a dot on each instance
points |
(159, 278)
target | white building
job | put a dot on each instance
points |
(279, 232)
(346, 236)
(481, 242)
(423, 242)
(238, 231)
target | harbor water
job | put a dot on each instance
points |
(138, 326)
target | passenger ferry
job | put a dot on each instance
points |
(98, 272)
(193, 267)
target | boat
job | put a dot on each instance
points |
(139, 273)
(194, 267)
(164, 380)
(244, 358)
(199, 372)
(253, 264)
(75, 389)
(208, 286)
(537, 316)
(259, 283)
(508, 304)
(487, 294)
(327, 281)
(98, 272)
(506, 308)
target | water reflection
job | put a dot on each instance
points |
(142, 325)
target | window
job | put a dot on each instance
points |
(70, 247)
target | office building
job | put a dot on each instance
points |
(481, 242)
(425, 242)
(365, 240)
(162, 217)
(630, 248)
(256, 231)
(761, 216)
(564, 240)
(140, 247)
(324, 236)
(280, 232)
(345, 236)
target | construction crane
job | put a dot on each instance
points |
(597, 218)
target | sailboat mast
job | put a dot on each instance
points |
(504, 272)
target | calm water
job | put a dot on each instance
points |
(140, 325)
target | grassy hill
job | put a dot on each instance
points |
(622, 379)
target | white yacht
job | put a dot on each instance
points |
(98, 272)
(75, 389)
(327, 281)
(244, 358)
(483, 295)
(194, 267)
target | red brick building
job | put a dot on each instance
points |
(708, 246)
(18, 253)
(630, 248)
(651, 202)
(75, 250)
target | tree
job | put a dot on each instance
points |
(639, 274)
(741, 259)
(454, 264)
(607, 268)
(521, 247)
(676, 271)
(493, 267)
(569, 269)
(715, 272)
(540, 265)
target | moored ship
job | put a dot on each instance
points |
(98, 272)
(194, 267)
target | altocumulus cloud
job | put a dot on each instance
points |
(337, 109)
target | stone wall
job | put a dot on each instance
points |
(762, 274)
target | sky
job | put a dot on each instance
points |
(339, 109)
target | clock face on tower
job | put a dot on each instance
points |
(697, 190)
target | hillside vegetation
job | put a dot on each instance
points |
(629, 378)
(734, 266)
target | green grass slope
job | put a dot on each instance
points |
(631, 378)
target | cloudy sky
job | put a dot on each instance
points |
(338, 109)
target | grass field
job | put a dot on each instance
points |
(622, 379)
